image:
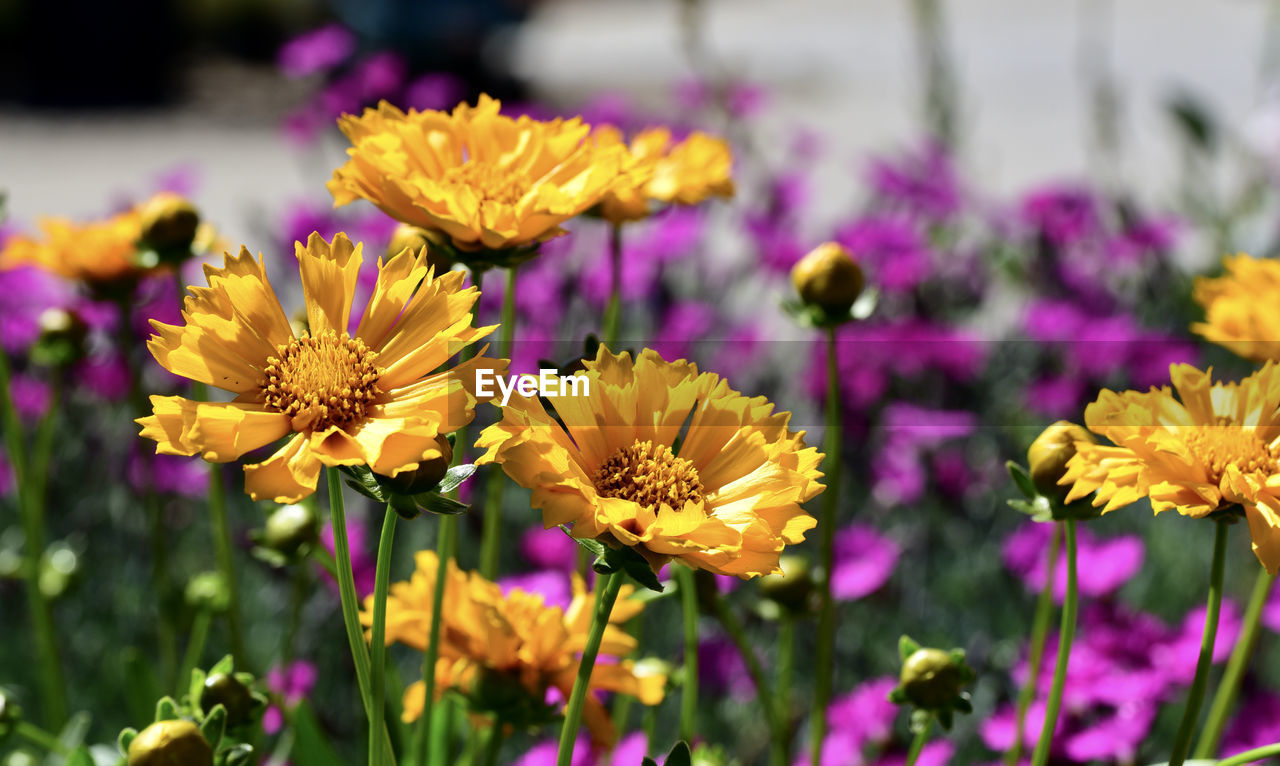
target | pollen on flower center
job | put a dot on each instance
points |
(649, 475)
(489, 182)
(321, 381)
(1218, 446)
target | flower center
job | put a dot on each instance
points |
(1218, 446)
(650, 476)
(490, 183)
(322, 381)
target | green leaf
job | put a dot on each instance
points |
(648, 762)
(125, 739)
(1022, 479)
(680, 755)
(80, 757)
(240, 755)
(311, 747)
(405, 507)
(454, 477)
(907, 646)
(215, 725)
(166, 710)
(635, 565)
(362, 480)
(226, 665)
(433, 502)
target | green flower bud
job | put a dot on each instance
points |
(932, 679)
(226, 690)
(169, 225)
(414, 238)
(828, 277)
(426, 476)
(289, 528)
(792, 590)
(208, 592)
(170, 743)
(1049, 453)
(10, 714)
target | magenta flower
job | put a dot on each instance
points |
(923, 183)
(549, 549)
(1102, 565)
(1255, 724)
(186, 476)
(288, 685)
(26, 292)
(890, 250)
(864, 561)
(630, 749)
(318, 50)
(858, 719)
(553, 586)
(363, 562)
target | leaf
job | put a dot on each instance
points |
(225, 666)
(166, 710)
(907, 646)
(454, 477)
(240, 755)
(311, 747)
(404, 506)
(126, 738)
(215, 725)
(680, 755)
(433, 502)
(648, 762)
(362, 480)
(80, 757)
(1022, 479)
(636, 566)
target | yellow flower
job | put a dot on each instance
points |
(1213, 446)
(1242, 308)
(370, 398)
(685, 173)
(726, 500)
(479, 179)
(515, 638)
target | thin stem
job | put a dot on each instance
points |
(689, 694)
(222, 550)
(195, 646)
(491, 531)
(786, 663)
(1251, 756)
(825, 653)
(768, 702)
(1182, 742)
(444, 552)
(40, 738)
(917, 744)
(378, 639)
(1229, 686)
(1066, 634)
(613, 312)
(607, 588)
(1039, 632)
(494, 746)
(347, 593)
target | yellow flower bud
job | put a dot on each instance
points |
(931, 679)
(1049, 453)
(289, 528)
(828, 277)
(793, 588)
(414, 238)
(170, 743)
(169, 223)
(227, 690)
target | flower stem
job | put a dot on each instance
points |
(917, 744)
(378, 639)
(689, 694)
(786, 663)
(347, 593)
(195, 646)
(1039, 632)
(1182, 742)
(40, 738)
(1229, 686)
(30, 496)
(1251, 756)
(613, 312)
(768, 702)
(825, 653)
(491, 532)
(494, 746)
(607, 588)
(444, 552)
(1066, 634)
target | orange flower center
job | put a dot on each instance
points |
(322, 381)
(650, 476)
(1218, 446)
(490, 183)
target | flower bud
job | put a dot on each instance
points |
(62, 338)
(10, 714)
(208, 592)
(414, 238)
(289, 528)
(170, 743)
(227, 690)
(426, 476)
(828, 277)
(932, 679)
(792, 589)
(1049, 453)
(169, 224)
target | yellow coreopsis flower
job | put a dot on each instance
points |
(516, 640)
(1214, 446)
(684, 173)
(726, 499)
(370, 398)
(478, 179)
(1242, 307)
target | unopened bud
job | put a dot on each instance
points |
(170, 743)
(169, 225)
(828, 277)
(1049, 453)
(414, 238)
(792, 589)
(289, 528)
(227, 690)
(208, 592)
(932, 679)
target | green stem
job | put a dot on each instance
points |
(347, 594)
(1251, 756)
(491, 532)
(768, 702)
(31, 505)
(613, 312)
(195, 646)
(689, 695)
(378, 639)
(40, 738)
(222, 550)
(1039, 632)
(1182, 742)
(1229, 686)
(786, 663)
(494, 746)
(444, 552)
(607, 588)
(917, 744)
(825, 653)
(1066, 634)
